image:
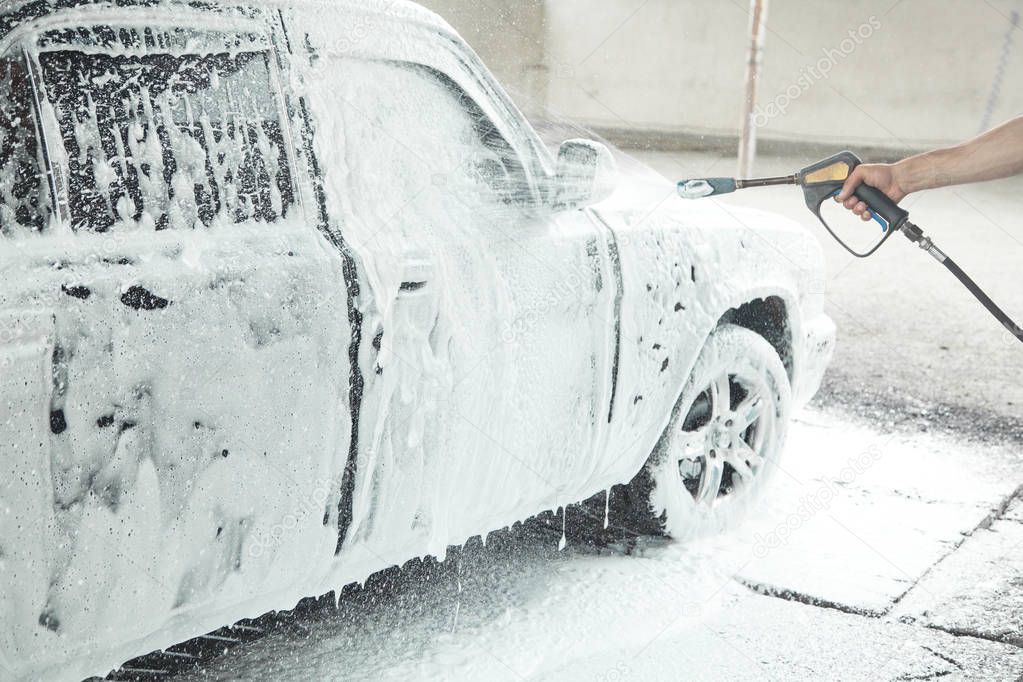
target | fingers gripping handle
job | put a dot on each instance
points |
(825, 179)
(883, 210)
(881, 205)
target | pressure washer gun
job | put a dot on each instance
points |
(822, 182)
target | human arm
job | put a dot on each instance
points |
(997, 153)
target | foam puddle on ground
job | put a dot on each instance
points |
(516, 609)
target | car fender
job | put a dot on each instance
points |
(683, 270)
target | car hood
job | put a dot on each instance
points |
(644, 199)
(737, 243)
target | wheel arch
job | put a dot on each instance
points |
(770, 317)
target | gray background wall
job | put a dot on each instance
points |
(672, 70)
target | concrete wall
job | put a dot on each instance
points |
(863, 72)
(511, 37)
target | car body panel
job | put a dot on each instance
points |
(684, 266)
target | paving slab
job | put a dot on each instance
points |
(977, 590)
(762, 638)
(856, 517)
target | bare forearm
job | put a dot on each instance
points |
(997, 153)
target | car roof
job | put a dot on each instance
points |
(15, 13)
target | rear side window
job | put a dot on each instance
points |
(155, 133)
(23, 191)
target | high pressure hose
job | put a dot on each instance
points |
(917, 236)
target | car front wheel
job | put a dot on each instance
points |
(724, 440)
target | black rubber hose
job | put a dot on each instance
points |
(992, 307)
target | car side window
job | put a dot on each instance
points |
(24, 198)
(160, 131)
(410, 131)
(497, 163)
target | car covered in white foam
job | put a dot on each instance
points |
(291, 293)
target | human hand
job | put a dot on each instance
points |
(881, 176)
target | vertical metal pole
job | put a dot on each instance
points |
(754, 62)
(1003, 65)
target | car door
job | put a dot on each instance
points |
(490, 315)
(180, 334)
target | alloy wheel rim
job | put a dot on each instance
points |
(721, 444)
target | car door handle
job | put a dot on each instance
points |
(413, 286)
(416, 275)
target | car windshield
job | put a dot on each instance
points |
(161, 130)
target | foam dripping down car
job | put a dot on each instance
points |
(292, 294)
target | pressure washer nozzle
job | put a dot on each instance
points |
(706, 187)
(695, 189)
